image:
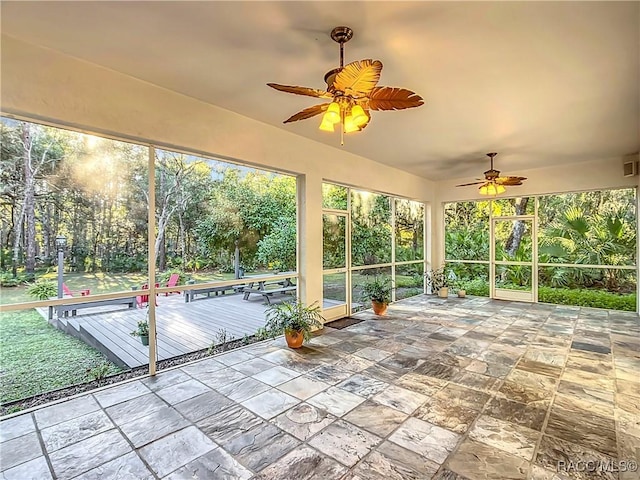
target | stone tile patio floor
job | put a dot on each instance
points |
(456, 389)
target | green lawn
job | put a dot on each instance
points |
(35, 357)
(101, 283)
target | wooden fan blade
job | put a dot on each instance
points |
(393, 98)
(510, 180)
(308, 113)
(358, 78)
(474, 183)
(309, 92)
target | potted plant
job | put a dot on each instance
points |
(438, 281)
(142, 331)
(295, 319)
(378, 291)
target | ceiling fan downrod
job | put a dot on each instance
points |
(491, 155)
(341, 35)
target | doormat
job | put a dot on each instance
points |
(343, 323)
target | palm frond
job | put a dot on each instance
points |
(393, 98)
(308, 112)
(358, 78)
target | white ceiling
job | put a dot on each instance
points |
(542, 83)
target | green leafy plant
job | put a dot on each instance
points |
(99, 372)
(292, 317)
(43, 289)
(8, 281)
(142, 330)
(220, 343)
(264, 334)
(378, 290)
(587, 298)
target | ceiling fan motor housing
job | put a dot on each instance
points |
(491, 174)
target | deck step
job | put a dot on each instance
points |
(126, 358)
(72, 327)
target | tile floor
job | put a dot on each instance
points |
(448, 390)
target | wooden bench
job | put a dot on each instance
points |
(63, 310)
(267, 293)
(189, 295)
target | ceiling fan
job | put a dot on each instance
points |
(493, 183)
(353, 93)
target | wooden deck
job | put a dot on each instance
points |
(181, 327)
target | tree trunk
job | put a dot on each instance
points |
(515, 238)
(181, 238)
(46, 230)
(162, 255)
(94, 229)
(29, 203)
(17, 239)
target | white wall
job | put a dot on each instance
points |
(45, 85)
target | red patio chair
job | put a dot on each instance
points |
(173, 282)
(143, 300)
(67, 291)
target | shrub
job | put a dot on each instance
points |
(277, 250)
(587, 298)
(43, 289)
(8, 281)
(477, 286)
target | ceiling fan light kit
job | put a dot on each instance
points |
(491, 188)
(353, 93)
(493, 184)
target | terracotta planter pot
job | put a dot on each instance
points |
(462, 293)
(443, 292)
(294, 339)
(378, 307)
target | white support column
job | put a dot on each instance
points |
(427, 241)
(436, 225)
(309, 188)
(151, 233)
(638, 244)
(393, 247)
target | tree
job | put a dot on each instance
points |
(515, 238)
(409, 229)
(277, 250)
(371, 228)
(246, 207)
(37, 150)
